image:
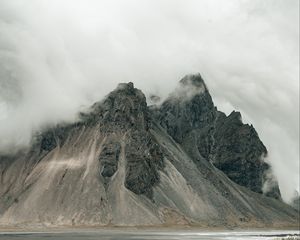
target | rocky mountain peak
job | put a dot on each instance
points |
(192, 79)
(191, 118)
(126, 164)
(127, 91)
(234, 115)
(189, 107)
(190, 87)
(126, 106)
(126, 86)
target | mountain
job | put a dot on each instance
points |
(296, 201)
(191, 118)
(124, 163)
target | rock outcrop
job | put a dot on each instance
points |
(124, 112)
(191, 118)
(126, 164)
(295, 203)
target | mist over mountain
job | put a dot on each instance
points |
(58, 57)
(124, 163)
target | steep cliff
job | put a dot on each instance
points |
(191, 118)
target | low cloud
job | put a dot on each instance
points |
(58, 56)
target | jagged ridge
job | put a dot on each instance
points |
(206, 133)
(119, 166)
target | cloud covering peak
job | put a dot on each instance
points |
(58, 56)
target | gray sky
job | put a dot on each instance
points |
(57, 56)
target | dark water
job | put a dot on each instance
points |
(144, 235)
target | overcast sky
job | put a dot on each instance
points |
(58, 56)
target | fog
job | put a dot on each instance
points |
(59, 56)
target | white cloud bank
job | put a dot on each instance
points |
(59, 55)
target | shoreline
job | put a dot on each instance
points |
(174, 228)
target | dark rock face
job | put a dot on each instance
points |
(239, 153)
(109, 158)
(48, 141)
(204, 132)
(188, 108)
(125, 112)
(53, 137)
(295, 203)
(144, 159)
(125, 108)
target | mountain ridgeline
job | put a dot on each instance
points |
(128, 164)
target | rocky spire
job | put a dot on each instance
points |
(125, 106)
(208, 134)
(124, 112)
(194, 80)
